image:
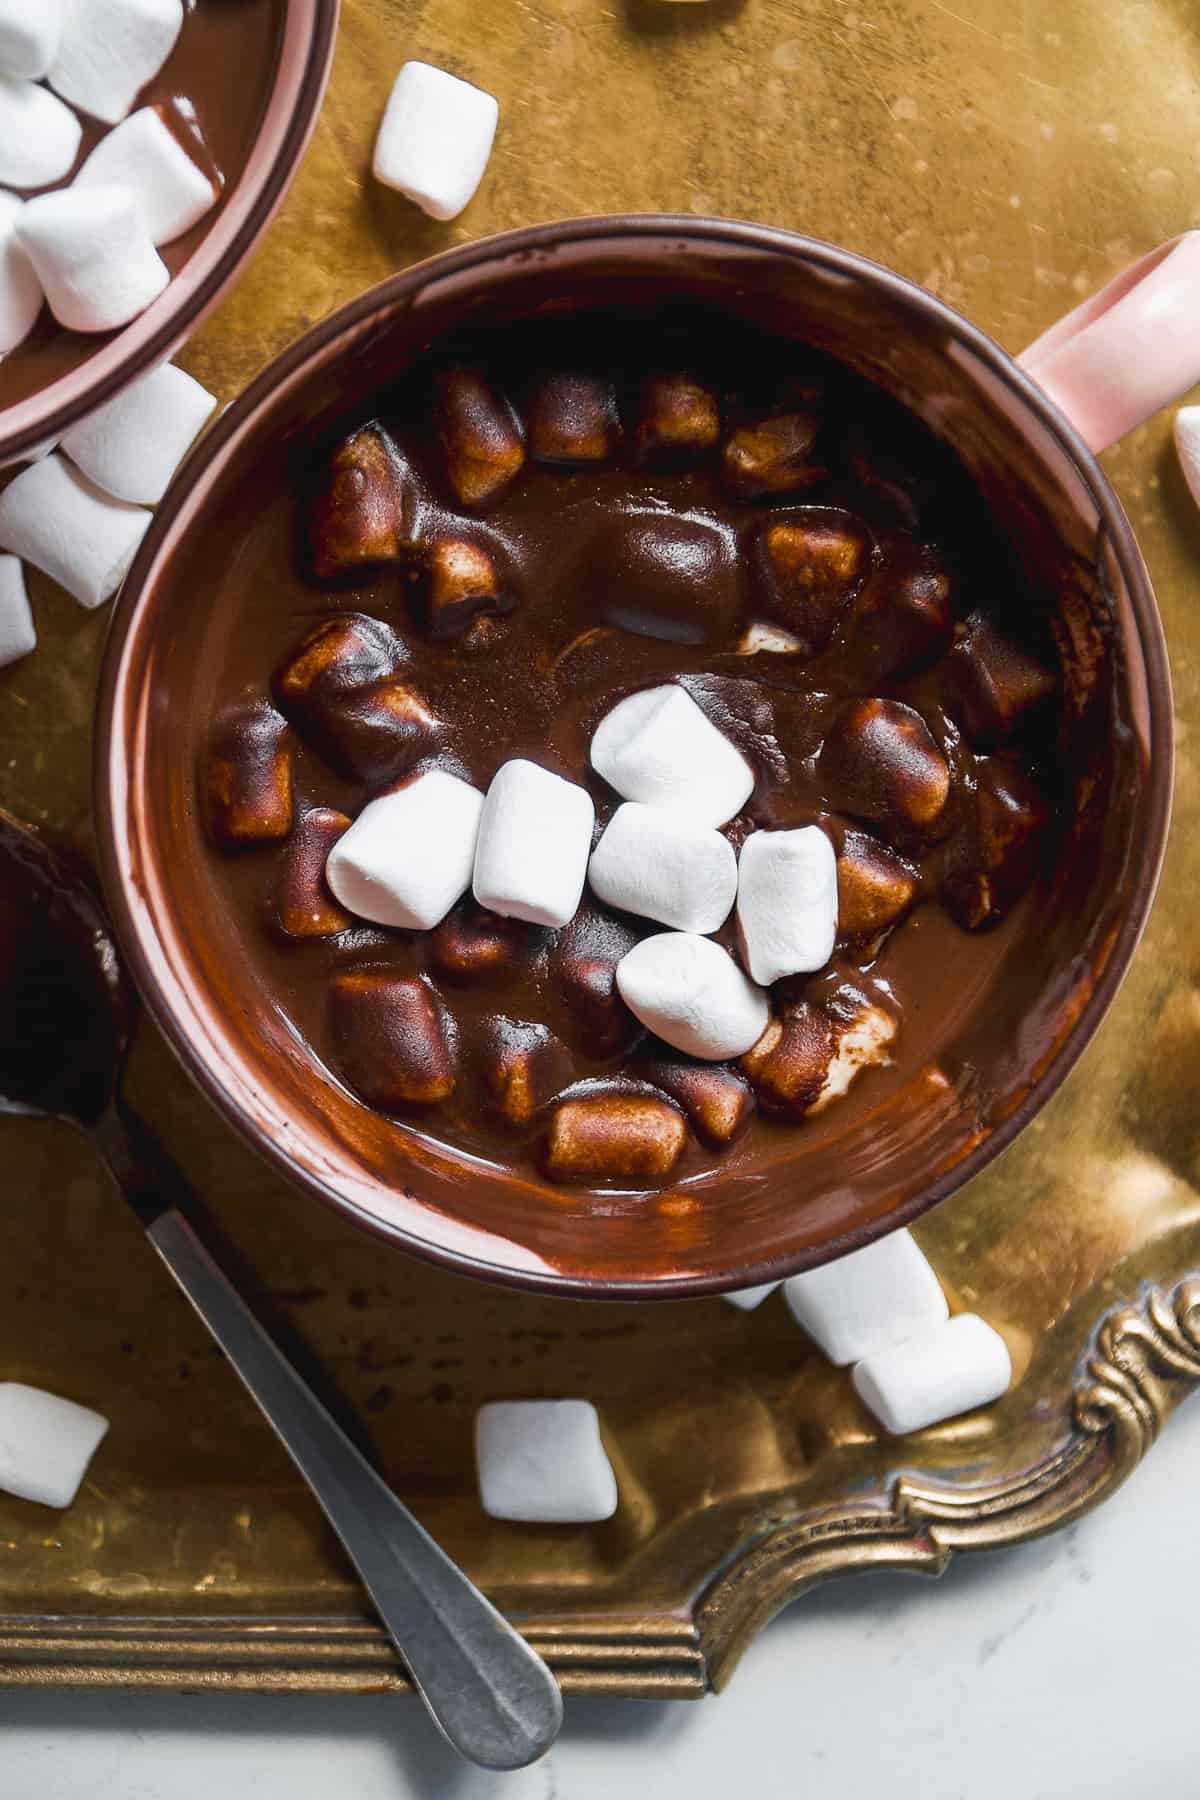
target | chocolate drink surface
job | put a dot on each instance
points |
(215, 82)
(526, 531)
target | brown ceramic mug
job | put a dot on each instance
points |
(831, 1187)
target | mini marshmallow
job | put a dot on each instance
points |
(435, 139)
(30, 31)
(58, 521)
(692, 994)
(408, 856)
(658, 747)
(144, 154)
(93, 256)
(534, 839)
(787, 901)
(760, 637)
(110, 49)
(1187, 445)
(746, 1299)
(649, 862)
(20, 289)
(864, 1043)
(947, 1369)
(132, 446)
(868, 1300)
(542, 1461)
(39, 136)
(46, 1444)
(17, 634)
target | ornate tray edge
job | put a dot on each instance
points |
(1142, 1361)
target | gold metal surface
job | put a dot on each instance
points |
(1011, 159)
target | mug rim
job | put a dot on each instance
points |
(305, 56)
(110, 763)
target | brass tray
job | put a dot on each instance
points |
(1012, 171)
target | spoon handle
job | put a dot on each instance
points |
(493, 1697)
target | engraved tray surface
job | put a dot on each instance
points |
(1011, 159)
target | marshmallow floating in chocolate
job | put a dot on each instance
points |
(46, 1444)
(534, 839)
(20, 289)
(144, 154)
(543, 1461)
(946, 1369)
(787, 900)
(57, 520)
(17, 634)
(408, 856)
(867, 1300)
(110, 49)
(30, 31)
(133, 445)
(651, 863)
(658, 747)
(93, 256)
(435, 139)
(39, 136)
(691, 993)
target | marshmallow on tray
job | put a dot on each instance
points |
(691, 993)
(20, 289)
(867, 1300)
(543, 1462)
(435, 139)
(658, 747)
(110, 49)
(746, 1299)
(46, 1444)
(408, 856)
(534, 839)
(39, 136)
(17, 635)
(787, 902)
(93, 256)
(29, 36)
(58, 521)
(132, 446)
(945, 1370)
(144, 154)
(663, 868)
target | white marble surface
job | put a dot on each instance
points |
(1065, 1668)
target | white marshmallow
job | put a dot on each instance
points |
(39, 136)
(435, 139)
(29, 36)
(46, 1444)
(132, 446)
(868, 1300)
(93, 256)
(649, 862)
(759, 636)
(1187, 444)
(787, 902)
(746, 1299)
(542, 1461)
(58, 521)
(691, 993)
(658, 747)
(17, 634)
(110, 49)
(408, 856)
(534, 839)
(863, 1044)
(20, 289)
(945, 1370)
(144, 154)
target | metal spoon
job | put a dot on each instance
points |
(66, 1010)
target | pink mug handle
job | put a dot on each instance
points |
(1129, 349)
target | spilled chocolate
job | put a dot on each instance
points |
(621, 567)
(216, 82)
